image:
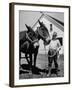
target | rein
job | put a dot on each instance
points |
(32, 41)
(54, 53)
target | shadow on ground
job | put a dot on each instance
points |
(35, 70)
(41, 69)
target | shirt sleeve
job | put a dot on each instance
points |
(58, 44)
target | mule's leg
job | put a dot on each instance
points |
(35, 56)
(19, 59)
(27, 58)
(30, 61)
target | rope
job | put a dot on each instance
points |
(54, 53)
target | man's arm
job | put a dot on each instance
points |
(58, 45)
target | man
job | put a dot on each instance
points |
(54, 47)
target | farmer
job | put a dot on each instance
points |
(54, 47)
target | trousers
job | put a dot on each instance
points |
(51, 59)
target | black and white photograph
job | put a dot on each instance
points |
(41, 44)
(40, 40)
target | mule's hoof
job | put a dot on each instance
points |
(58, 70)
(48, 75)
(30, 72)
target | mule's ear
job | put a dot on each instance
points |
(27, 27)
(39, 22)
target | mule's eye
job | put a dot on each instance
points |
(30, 34)
(33, 34)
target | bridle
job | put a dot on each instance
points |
(33, 42)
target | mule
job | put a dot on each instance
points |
(31, 47)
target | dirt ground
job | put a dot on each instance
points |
(41, 69)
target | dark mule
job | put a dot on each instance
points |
(42, 33)
(29, 45)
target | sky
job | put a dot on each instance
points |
(31, 17)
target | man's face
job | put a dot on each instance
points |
(54, 36)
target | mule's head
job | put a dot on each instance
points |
(31, 32)
(43, 32)
(32, 35)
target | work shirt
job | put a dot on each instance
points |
(54, 44)
(54, 47)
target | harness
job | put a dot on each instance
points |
(30, 40)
